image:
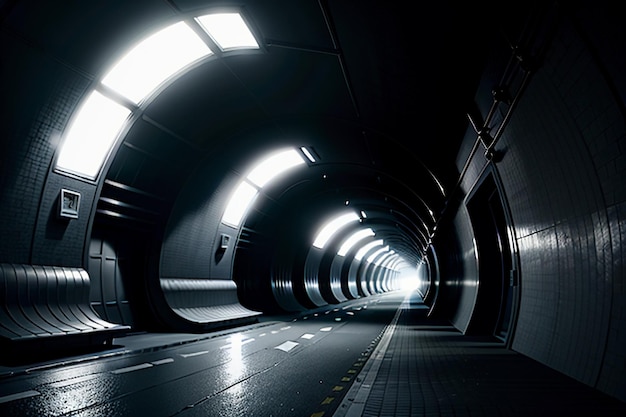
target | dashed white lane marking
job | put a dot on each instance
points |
(243, 342)
(140, 366)
(18, 396)
(287, 346)
(72, 381)
(132, 368)
(163, 361)
(285, 328)
(326, 329)
(189, 355)
(307, 336)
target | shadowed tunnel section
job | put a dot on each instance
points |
(482, 145)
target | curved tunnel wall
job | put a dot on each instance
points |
(339, 284)
(562, 169)
(561, 162)
(195, 271)
(428, 273)
(348, 280)
(312, 277)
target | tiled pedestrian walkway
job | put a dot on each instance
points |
(428, 368)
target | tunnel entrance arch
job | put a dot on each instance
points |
(496, 301)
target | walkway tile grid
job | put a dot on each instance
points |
(431, 369)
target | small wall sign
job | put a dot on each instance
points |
(224, 241)
(69, 203)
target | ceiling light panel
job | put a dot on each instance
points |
(361, 253)
(273, 166)
(308, 154)
(353, 240)
(242, 198)
(154, 60)
(373, 256)
(228, 30)
(91, 135)
(332, 227)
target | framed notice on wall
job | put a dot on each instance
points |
(69, 203)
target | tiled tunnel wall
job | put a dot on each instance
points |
(563, 174)
(32, 130)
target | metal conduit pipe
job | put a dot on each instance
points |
(520, 58)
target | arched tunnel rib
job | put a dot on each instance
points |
(482, 143)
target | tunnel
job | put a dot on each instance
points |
(312, 208)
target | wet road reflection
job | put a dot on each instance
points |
(299, 367)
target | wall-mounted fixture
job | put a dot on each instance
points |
(224, 241)
(69, 204)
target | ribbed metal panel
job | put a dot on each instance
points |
(311, 277)
(336, 280)
(282, 288)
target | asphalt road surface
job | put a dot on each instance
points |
(282, 366)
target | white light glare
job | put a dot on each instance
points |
(273, 166)
(154, 60)
(91, 135)
(308, 154)
(353, 240)
(260, 175)
(228, 30)
(395, 263)
(238, 204)
(332, 227)
(384, 258)
(361, 253)
(390, 260)
(373, 256)
(408, 280)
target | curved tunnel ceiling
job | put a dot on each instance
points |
(366, 86)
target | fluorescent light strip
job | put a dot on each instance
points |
(273, 166)
(261, 174)
(384, 258)
(353, 240)
(154, 60)
(361, 253)
(395, 262)
(330, 228)
(400, 265)
(136, 75)
(389, 261)
(242, 198)
(308, 154)
(91, 135)
(373, 256)
(228, 30)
